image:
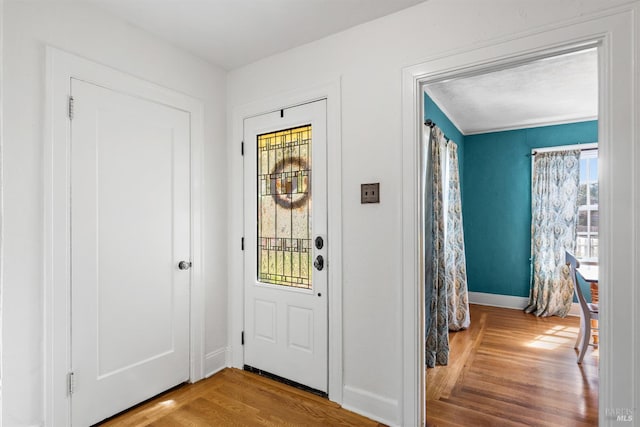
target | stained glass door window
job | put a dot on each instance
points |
(284, 207)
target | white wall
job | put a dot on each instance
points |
(89, 32)
(369, 60)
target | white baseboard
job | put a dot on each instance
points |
(215, 361)
(378, 408)
(509, 301)
(496, 300)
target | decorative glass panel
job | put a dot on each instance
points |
(284, 207)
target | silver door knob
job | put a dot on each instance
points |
(184, 265)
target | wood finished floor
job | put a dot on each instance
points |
(508, 369)
(237, 398)
(513, 369)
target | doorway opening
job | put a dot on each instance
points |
(498, 117)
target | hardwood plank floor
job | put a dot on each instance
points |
(514, 369)
(508, 369)
(237, 398)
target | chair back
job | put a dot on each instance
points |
(573, 265)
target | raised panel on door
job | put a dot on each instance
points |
(285, 210)
(130, 189)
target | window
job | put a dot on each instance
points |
(284, 208)
(588, 217)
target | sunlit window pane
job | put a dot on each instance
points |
(582, 221)
(582, 194)
(593, 169)
(593, 194)
(583, 170)
(594, 246)
(588, 215)
(582, 247)
(595, 220)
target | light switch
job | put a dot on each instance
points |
(370, 193)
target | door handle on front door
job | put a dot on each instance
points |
(184, 265)
(319, 263)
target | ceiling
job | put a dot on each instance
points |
(559, 89)
(233, 33)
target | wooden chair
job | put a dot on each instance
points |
(588, 310)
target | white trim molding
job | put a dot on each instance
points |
(614, 32)
(61, 67)
(330, 91)
(523, 125)
(215, 361)
(371, 405)
(495, 300)
(1, 203)
(532, 125)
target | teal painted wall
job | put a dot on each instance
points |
(497, 203)
(495, 175)
(433, 112)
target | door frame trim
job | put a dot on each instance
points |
(614, 31)
(331, 92)
(61, 66)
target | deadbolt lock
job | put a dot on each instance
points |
(319, 263)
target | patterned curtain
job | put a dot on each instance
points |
(456, 266)
(445, 279)
(554, 212)
(437, 344)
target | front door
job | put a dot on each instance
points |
(130, 228)
(285, 214)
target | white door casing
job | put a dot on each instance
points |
(613, 32)
(286, 327)
(129, 229)
(61, 68)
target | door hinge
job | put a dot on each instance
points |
(242, 337)
(242, 148)
(71, 383)
(242, 243)
(71, 108)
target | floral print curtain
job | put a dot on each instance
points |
(554, 212)
(455, 260)
(437, 344)
(445, 278)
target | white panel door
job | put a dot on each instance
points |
(130, 196)
(285, 214)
